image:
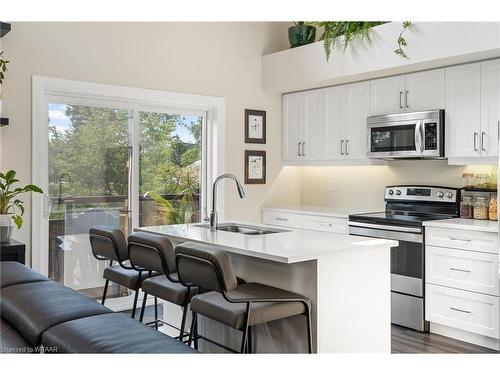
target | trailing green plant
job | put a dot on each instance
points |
(9, 204)
(3, 67)
(352, 30)
(402, 41)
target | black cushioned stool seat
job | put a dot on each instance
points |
(35, 307)
(214, 306)
(13, 273)
(110, 333)
(11, 341)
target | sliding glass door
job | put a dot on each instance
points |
(118, 166)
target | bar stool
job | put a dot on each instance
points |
(156, 253)
(111, 244)
(240, 306)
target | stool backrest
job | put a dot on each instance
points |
(152, 252)
(205, 266)
(108, 244)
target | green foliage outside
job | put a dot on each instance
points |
(89, 157)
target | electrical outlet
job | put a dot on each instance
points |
(331, 185)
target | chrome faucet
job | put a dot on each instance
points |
(213, 214)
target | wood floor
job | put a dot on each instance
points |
(405, 340)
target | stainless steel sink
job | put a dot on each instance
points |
(244, 229)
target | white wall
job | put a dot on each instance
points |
(362, 187)
(220, 59)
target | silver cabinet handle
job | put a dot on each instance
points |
(281, 219)
(303, 148)
(342, 147)
(460, 310)
(459, 269)
(475, 141)
(401, 99)
(325, 224)
(347, 147)
(460, 239)
(406, 99)
(298, 149)
(482, 141)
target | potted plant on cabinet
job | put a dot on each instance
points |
(301, 33)
(12, 208)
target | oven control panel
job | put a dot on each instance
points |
(421, 193)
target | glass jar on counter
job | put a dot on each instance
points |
(481, 208)
(482, 181)
(468, 180)
(493, 215)
(466, 207)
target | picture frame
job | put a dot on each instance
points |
(255, 167)
(255, 126)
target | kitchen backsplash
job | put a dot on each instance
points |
(363, 186)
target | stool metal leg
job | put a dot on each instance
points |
(156, 313)
(143, 308)
(183, 322)
(250, 341)
(191, 330)
(245, 329)
(309, 330)
(105, 292)
(136, 295)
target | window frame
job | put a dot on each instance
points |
(46, 89)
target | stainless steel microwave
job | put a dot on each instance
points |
(415, 135)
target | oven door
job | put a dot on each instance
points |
(402, 139)
(407, 259)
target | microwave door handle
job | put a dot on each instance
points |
(418, 137)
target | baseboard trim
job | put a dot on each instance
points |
(458, 334)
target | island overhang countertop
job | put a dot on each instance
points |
(287, 246)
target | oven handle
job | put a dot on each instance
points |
(385, 227)
(386, 234)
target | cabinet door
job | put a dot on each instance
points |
(425, 90)
(463, 117)
(312, 131)
(490, 107)
(334, 141)
(356, 112)
(387, 95)
(292, 123)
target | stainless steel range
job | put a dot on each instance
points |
(407, 207)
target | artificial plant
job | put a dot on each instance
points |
(9, 203)
(352, 30)
(3, 67)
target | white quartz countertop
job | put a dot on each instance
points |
(340, 212)
(289, 246)
(465, 224)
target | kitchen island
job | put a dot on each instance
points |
(347, 279)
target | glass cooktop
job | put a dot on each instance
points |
(407, 218)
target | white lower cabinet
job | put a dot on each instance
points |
(468, 311)
(305, 221)
(461, 289)
(461, 269)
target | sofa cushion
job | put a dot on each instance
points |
(13, 273)
(109, 333)
(11, 341)
(33, 308)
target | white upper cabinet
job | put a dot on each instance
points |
(408, 93)
(425, 90)
(312, 129)
(490, 107)
(335, 99)
(293, 109)
(387, 95)
(463, 107)
(356, 111)
(303, 123)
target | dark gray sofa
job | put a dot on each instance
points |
(39, 313)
